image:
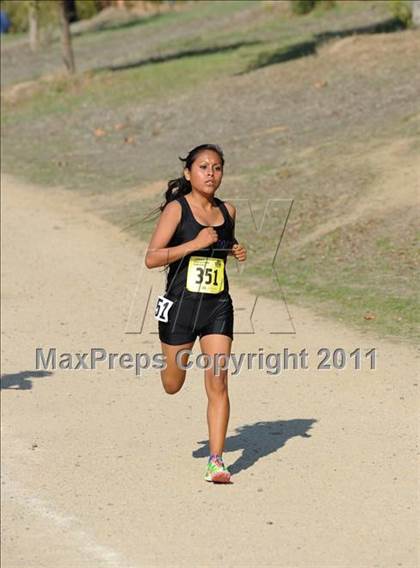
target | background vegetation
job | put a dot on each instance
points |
(317, 110)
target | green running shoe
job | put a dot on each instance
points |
(216, 470)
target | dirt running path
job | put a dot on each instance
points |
(102, 468)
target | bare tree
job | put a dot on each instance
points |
(71, 8)
(33, 13)
(68, 56)
(415, 7)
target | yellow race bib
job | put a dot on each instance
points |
(206, 274)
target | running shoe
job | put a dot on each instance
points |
(216, 470)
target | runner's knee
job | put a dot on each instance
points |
(217, 384)
(171, 382)
(172, 388)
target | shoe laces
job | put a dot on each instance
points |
(218, 460)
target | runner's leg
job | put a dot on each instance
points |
(173, 377)
(218, 408)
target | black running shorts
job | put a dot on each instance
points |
(199, 316)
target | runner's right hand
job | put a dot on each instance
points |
(205, 238)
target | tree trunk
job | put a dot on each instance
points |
(33, 8)
(415, 6)
(66, 37)
(71, 10)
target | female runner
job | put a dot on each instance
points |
(194, 235)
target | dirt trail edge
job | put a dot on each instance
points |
(102, 468)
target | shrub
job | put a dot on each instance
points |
(87, 9)
(300, 7)
(401, 9)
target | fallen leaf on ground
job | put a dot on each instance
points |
(369, 316)
(281, 128)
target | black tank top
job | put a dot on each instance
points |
(187, 229)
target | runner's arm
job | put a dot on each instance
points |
(158, 254)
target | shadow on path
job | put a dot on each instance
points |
(22, 380)
(259, 440)
(304, 48)
(177, 55)
(84, 27)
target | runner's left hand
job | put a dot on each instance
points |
(239, 252)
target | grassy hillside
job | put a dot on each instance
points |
(319, 111)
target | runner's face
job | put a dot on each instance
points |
(206, 172)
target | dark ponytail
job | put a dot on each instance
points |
(181, 186)
(176, 188)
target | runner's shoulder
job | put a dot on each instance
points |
(173, 209)
(231, 209)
